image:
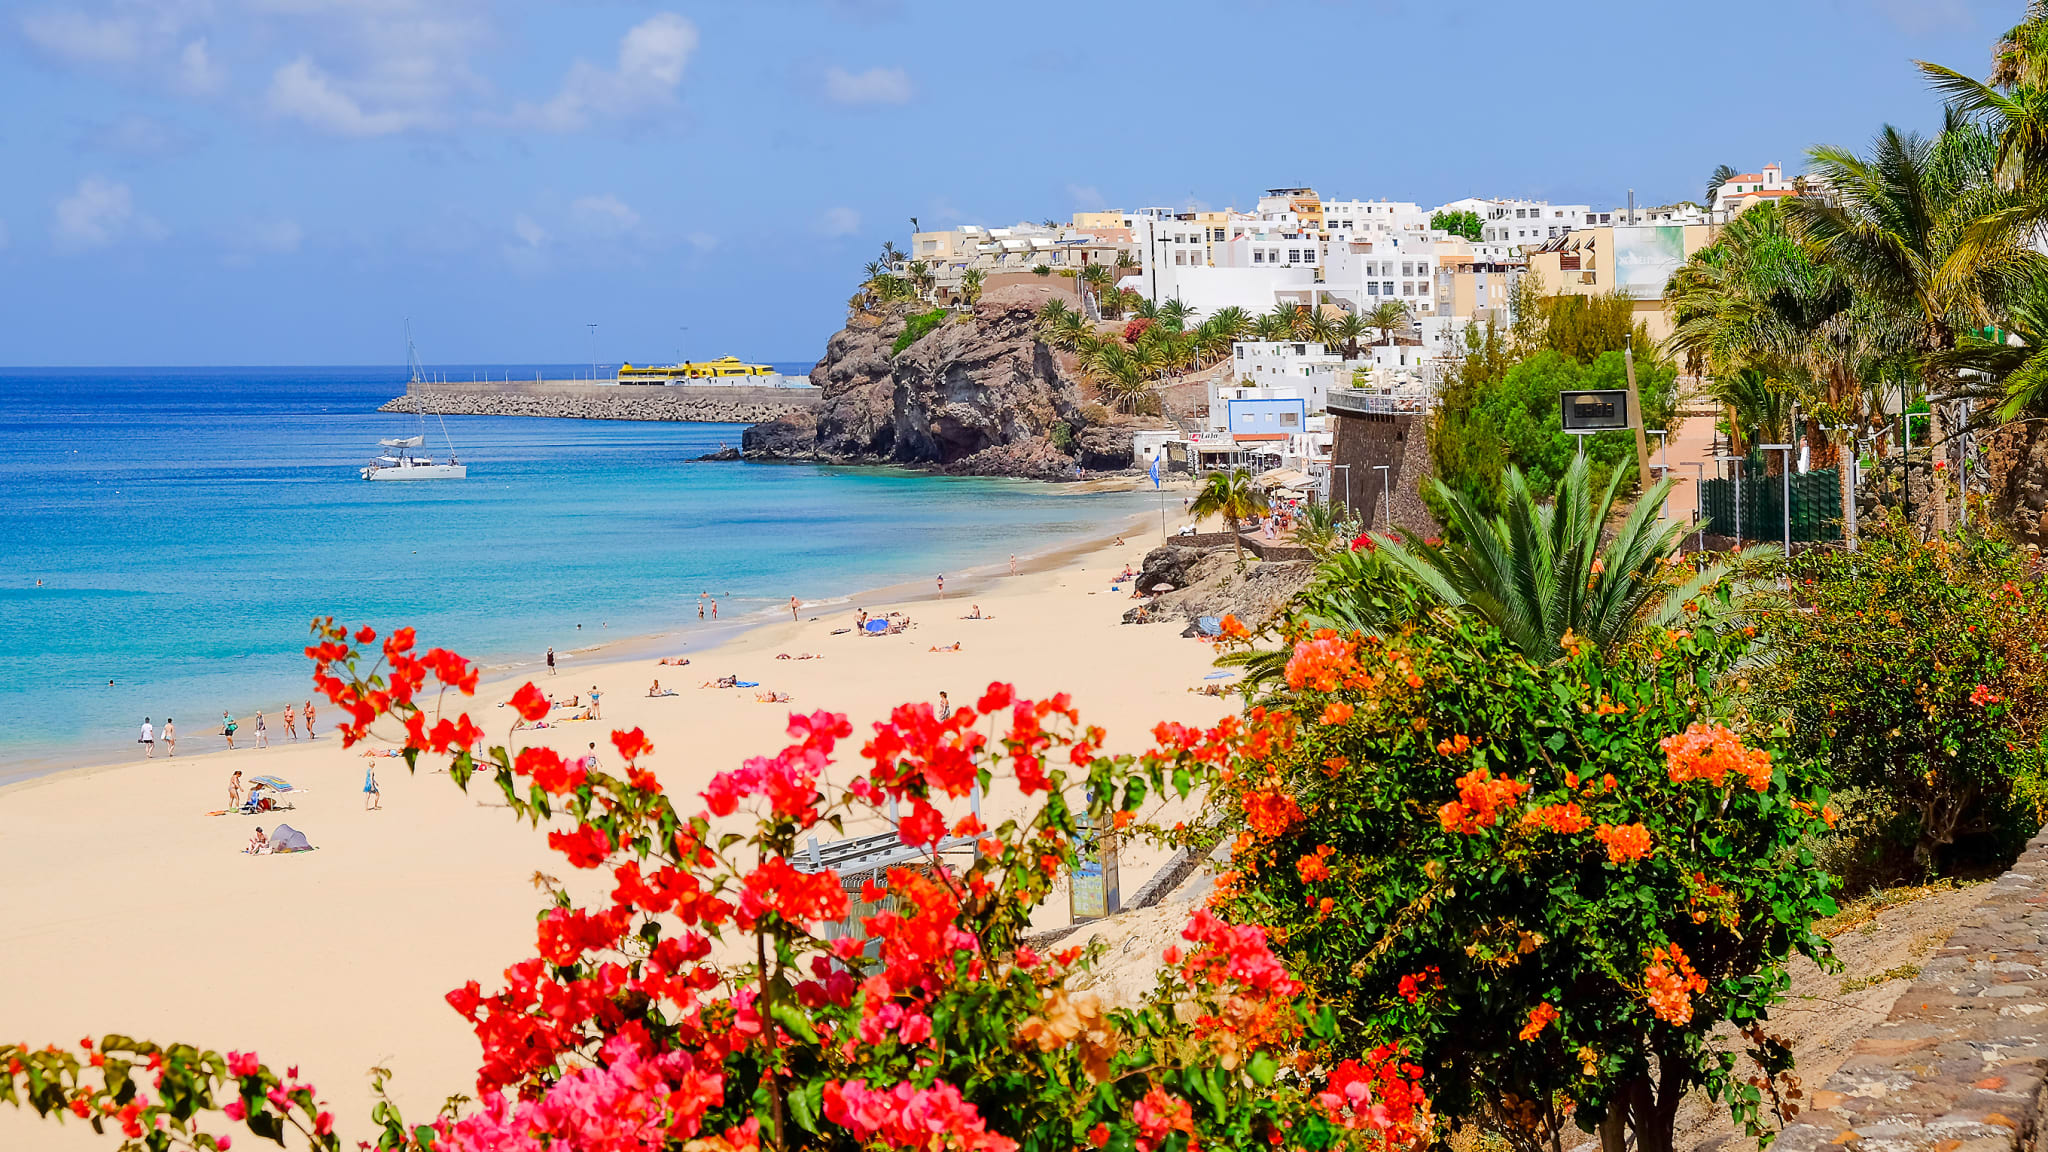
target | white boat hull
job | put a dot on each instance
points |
(416, 472)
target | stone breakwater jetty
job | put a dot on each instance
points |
(583, 400)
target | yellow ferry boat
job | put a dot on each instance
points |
(723, 368)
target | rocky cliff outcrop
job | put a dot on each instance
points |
(980, 393)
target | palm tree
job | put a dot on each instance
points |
(1386, 316)
(891, 255)
(1123, 259)
(1095, 278)
(1348, 328)
(1906, 226)
(1722, 174)
(1539, 571)
(1212, 340)
(1233, 496)
(1234, 322)
(1320, 327)
(2020, 370)
(1174, 314)
(921, 277)
(1287, 319)
(1146, 309)
(1050, 314)
(970, 285)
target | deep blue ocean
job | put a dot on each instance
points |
(186, 524)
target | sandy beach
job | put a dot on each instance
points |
(129, 909)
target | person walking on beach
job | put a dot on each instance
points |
(942, 585)
(170, 737)
(234, 792)
(945, 707)
(291, 725)
(792, 609)
(262, 731)
(373, 799)
(1013, 563)
(227, 728)
(551, 661)
(594, 695)
(147, 740)
(714, 607)
(309, 719)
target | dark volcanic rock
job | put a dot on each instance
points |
(1167, 565)
(725, 452)
(980, 381)
(790, 437)
(1105, 448)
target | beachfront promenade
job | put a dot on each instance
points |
(582, 399)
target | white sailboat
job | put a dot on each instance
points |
(397, 460)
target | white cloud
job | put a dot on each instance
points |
(652, 57)
(197, 73)
(702, 241)
(140, 136)
(874, 86)
(77, 38)
(605, 215)
(100, 213)
(839, 222)
(530, 234)
(302, 91)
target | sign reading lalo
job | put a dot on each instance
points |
(1594, 410)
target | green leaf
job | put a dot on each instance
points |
(806, 1105)
(1263, 1068)
(791, 1017)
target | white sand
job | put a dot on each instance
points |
(127, 909)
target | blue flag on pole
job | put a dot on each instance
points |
(1155, 473)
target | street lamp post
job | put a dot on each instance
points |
(1786, 472)
(1664, 455)
(1386, 494)
(1699, 486)
(593, 352)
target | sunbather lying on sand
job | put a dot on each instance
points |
(953, 647)
(771, 697)
(658, 690)
(798, 656)
(721, 682)
(678, 661)
(976, 614)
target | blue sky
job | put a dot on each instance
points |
(284, 181)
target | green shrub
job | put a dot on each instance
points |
(1516, 868)
(1095, 414)
(917, 328)
(1062, 436)
(1041, 269)
(1915, 671)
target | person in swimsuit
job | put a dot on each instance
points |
(234, 792)
(291, 724)
(551, 661)
(170, 736)
(262, 732)
(372, 798)
(309, 719)
(792, 609)
(258, 843)
(594, 696)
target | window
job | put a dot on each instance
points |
(1290, 419)
(1607, 217)
(1180, 257)
(1407, 268)
(1258, 255)
(1240, 351)
(1389, 289)
(1407, 287)
(1293, 256)
(1372, 288)
(1589, 218)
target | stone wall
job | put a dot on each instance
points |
(1365, 440)
(1958, 1066)
(579, 399)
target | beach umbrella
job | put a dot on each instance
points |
(274, 783)
(1162, 586)
(878, 625)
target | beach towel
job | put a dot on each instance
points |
(746, 683)
(1219, 675)
(1209, 626)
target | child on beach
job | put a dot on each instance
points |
(170, 736)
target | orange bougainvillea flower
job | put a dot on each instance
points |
(1625, 842)
(1480, 799)
(1270, 810)
(1338, 712)
(1324, 662)
(1539, 1019)
(1670, 984)
(1455, 746)
(1565, 819)
(1312, 867)
(1711, 753)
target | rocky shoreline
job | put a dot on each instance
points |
(612, 402)
(980, 394)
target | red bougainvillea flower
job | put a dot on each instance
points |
(1159, 1113)
(1379, 1094)
(907, 1117)
(1539, 1019)
(1565, 819)
(1626, 843)
(530, 702)
(1412, 985)
(1670, 984)
(1313, 867)
(1709, 753)
(1982, 696)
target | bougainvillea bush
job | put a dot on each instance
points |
(929, 1025)
(1916, 672)
(1551, 882)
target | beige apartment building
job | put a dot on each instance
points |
(1634, 261)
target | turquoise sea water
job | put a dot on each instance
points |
(187, 523)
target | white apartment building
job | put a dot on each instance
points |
(1263, 263)
(1745, 188)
